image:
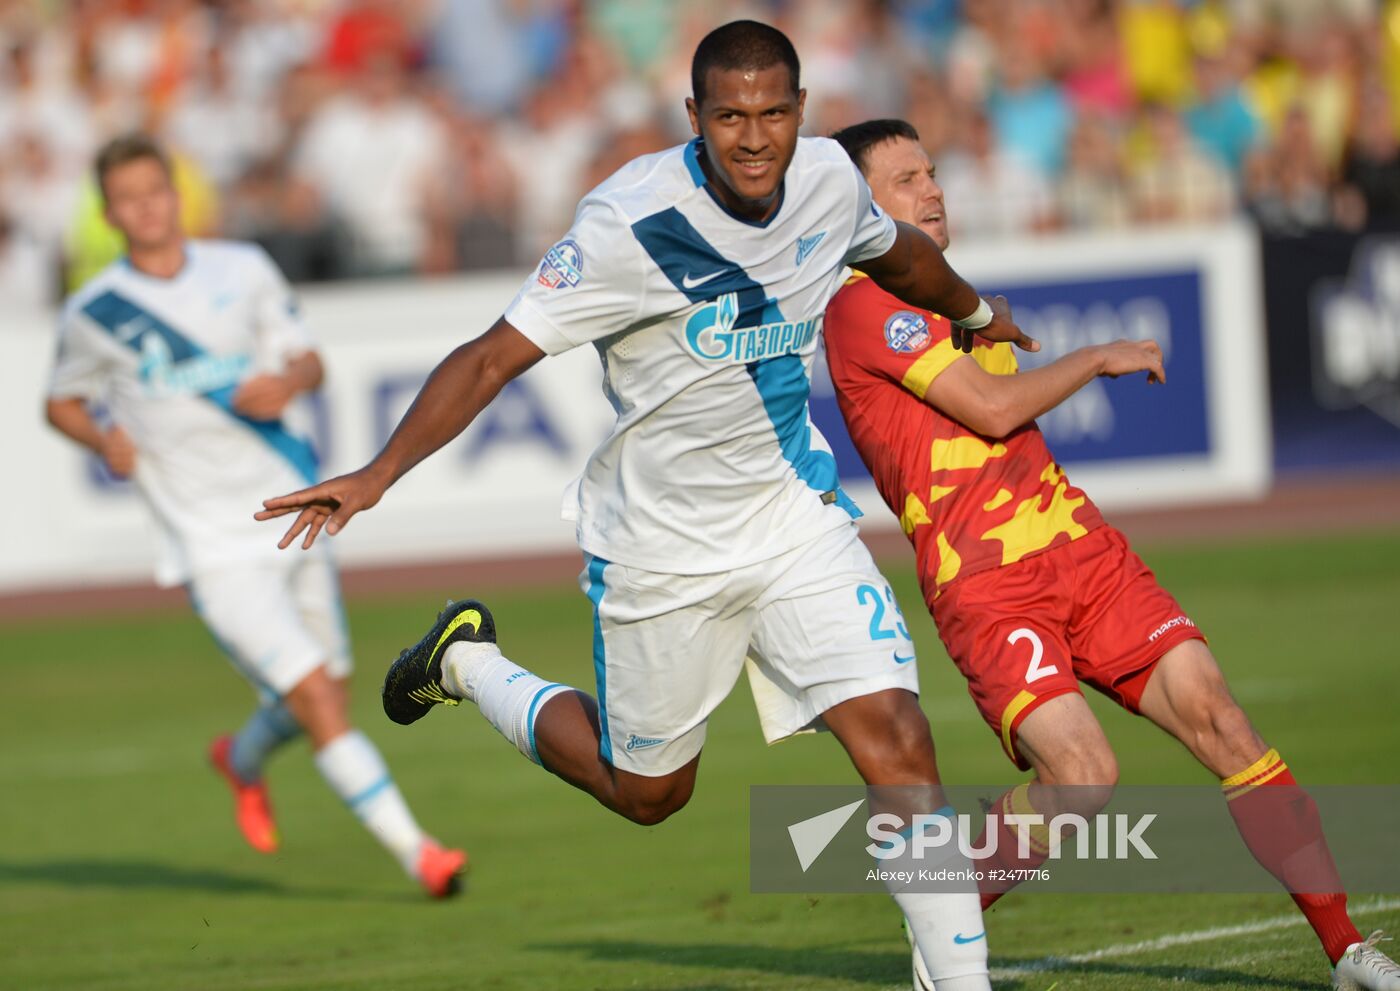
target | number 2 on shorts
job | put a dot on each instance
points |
(1034, 672)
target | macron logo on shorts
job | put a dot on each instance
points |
(1170, 624)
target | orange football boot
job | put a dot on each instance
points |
(440, 869)
(251, 808)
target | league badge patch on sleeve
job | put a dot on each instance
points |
(562, 267)
(906, 332)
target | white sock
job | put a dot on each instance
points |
(354, 769)
(508, 696)
(268, 728)
(947, 926)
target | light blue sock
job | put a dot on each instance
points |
(268, 728)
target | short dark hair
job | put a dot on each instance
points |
(128, 148)
(742, 45)
(858, 139)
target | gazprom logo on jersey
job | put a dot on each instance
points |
(562, 267)
(163, 376)
(906, 332)
(710, 333)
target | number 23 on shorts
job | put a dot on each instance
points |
(870, 595)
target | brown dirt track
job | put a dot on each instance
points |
(1296, 506)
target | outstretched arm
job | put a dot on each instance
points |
(915, 271)
(458, 389)
(995, 405)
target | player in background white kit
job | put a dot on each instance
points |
(197, 350)
(715, 532)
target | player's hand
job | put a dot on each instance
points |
(263, 397)
(1127, 357)
(1001, 329)
(330, 505)
(118, 452)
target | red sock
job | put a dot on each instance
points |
(1280, 824)
(1016, 801)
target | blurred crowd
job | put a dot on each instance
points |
(357, 138)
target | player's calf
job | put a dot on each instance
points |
(887, 737)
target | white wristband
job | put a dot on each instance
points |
(978, 318)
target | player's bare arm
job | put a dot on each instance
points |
(916, 271)
(70, 417)
(458, 389)
(265, 396)
(995, 405)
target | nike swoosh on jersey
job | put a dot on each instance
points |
(689, 283)
(902, 660)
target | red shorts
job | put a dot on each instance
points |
(1088, 611)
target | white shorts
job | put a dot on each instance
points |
(815, 626)
(277, 621)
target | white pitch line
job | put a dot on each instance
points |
(1181, 939)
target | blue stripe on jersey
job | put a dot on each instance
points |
(783, 385)
(698, 270)
(596, 565)
(687, 258)
(115, 313)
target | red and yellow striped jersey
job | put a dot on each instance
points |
(968, 503)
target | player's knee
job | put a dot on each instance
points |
(897, 744)
(655, 804)
(315, 693)
(1226, 729)
(318, 703)
(1213, 717)
(1086, 763)
(650, 811)
(909, 749)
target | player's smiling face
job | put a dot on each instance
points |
(142, 204)
(749, 120)
(901, 177)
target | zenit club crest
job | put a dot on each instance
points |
(906, 332)
(562, 267)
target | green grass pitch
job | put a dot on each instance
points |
(120, 867)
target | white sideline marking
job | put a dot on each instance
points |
(1180, 939)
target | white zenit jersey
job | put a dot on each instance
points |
(707, 326)
(165, 357)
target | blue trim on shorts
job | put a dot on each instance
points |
(355, 801)
(530, 720)
(596, 565)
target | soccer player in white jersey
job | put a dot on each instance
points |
(197, 350)
(715, 533)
